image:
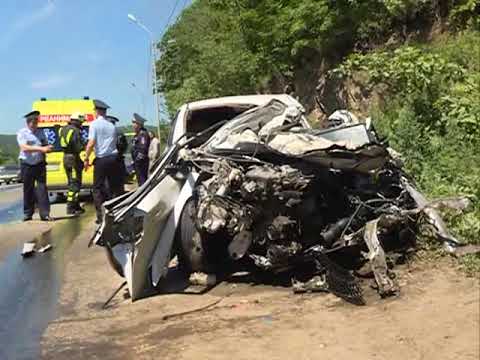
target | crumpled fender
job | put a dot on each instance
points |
(161, 257)
(155, 209)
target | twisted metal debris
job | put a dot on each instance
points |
(266, 193)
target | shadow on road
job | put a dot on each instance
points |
(30, 288)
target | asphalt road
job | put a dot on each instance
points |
(9, 187)
(11, 209)
(30, 286)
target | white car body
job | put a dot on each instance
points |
(179, 125)
(158, 204)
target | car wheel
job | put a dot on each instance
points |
(191, 252)
(53, 198)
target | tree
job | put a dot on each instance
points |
(205, 55)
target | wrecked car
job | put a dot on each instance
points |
(246, 183)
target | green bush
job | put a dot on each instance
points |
(431, 114)
(443, 166)
(465, 13)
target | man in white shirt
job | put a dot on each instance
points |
(33, 147)
(102, 138)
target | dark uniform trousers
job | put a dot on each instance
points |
(140, 145)
(106, 170)
(122, 146)
(123, 172)
(34, 179)
(141, 169)
(73, 168)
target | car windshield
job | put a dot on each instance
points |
(53, 138)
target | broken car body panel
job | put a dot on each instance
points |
(141, 227)
(270, 193)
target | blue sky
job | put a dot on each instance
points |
(74, 48)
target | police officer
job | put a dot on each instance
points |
(102, 137)
(140, 145)
(72, 145)
(33, 147)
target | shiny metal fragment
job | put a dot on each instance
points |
(376, 257)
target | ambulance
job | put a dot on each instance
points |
(53, 115)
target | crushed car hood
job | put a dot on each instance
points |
(268, 193)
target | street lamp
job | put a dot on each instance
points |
(142, 95)
(133, 19)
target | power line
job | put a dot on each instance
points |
(171, 15)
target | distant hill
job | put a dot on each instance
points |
(8, 149)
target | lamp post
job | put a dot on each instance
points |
(142, 96)
(133, 19)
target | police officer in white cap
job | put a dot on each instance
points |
(33, 147)
(72, 145)
(102, 137)
(140, 145)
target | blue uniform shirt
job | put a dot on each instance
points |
(26, 136)
(105, 136)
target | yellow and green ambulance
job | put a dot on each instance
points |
(53, 115)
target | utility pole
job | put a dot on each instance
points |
(153, 56)
(142, 96)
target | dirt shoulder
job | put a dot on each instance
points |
(435, 317)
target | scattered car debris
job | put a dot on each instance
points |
(117, 290)
(45, 248)
(28, 249)
(197, 310)
(317, 283)
(247, 184)
(202, 279)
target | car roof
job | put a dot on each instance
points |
(256, 100)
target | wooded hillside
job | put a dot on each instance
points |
(412, 65)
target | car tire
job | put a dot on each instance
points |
(54, 198)
(191, 252)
